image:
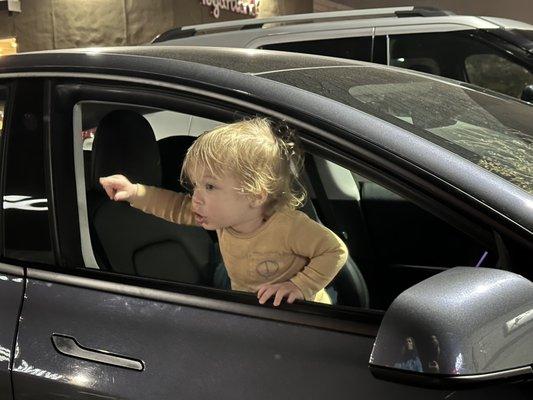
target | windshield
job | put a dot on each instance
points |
(493, 132)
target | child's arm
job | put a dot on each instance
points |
(327, 254)
(166, 204)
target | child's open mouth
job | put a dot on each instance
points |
(200, 219)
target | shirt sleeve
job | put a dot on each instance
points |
(166, 204)
(326, 252)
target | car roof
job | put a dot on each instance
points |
(236, 59)
(245, 32)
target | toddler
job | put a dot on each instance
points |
(244, 183)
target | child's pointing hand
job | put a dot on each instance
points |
(118, 187)
(284, 289)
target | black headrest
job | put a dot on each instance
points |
(173, 150)
(125, 144)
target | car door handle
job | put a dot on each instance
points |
(70, 347)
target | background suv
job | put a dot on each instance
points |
(494, 53)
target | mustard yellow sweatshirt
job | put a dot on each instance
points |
(288, 246)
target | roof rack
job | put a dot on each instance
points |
(252, 23)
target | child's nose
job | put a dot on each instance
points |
(197, 197)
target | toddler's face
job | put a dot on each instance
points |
(218, 203)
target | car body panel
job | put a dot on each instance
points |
(190, 352)
(186, 351)
(506, 23)
(425, 28)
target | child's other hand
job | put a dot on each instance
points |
(281, 290)
(118, 187)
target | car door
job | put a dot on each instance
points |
(91, 333)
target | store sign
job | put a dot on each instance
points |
(8, 46)
(245, 7)
(10, 5)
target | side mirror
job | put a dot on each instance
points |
(462, 327)
(527, 94)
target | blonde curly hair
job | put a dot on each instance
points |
(263, 158)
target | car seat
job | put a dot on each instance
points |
(126, 239)
(173, 150)
(321, 179)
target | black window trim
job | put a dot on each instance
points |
(12, 88)
(8, 106)
(54, 234)
(339, 318)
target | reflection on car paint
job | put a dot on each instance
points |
(5, 354)
(458, 364)
(24, 367)
(26, 203)
(519, 321)
(7, 278)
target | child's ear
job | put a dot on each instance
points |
(259, 200)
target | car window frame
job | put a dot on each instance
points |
(368, 320)
(236, 299)
(6, 88)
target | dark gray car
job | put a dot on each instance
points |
(428, 181)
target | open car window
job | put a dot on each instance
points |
(387, 235)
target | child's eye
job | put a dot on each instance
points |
(209, 186)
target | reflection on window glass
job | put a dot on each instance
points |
(476, 123)
(2, 106)
(497, 73)
(493, 132)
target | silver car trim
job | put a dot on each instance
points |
(11, 270)
(258, 311)
(83, 219)
(368, 12)
(527, 370)
(70, 347)
(450, 382)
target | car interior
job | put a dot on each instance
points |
(393, 243)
